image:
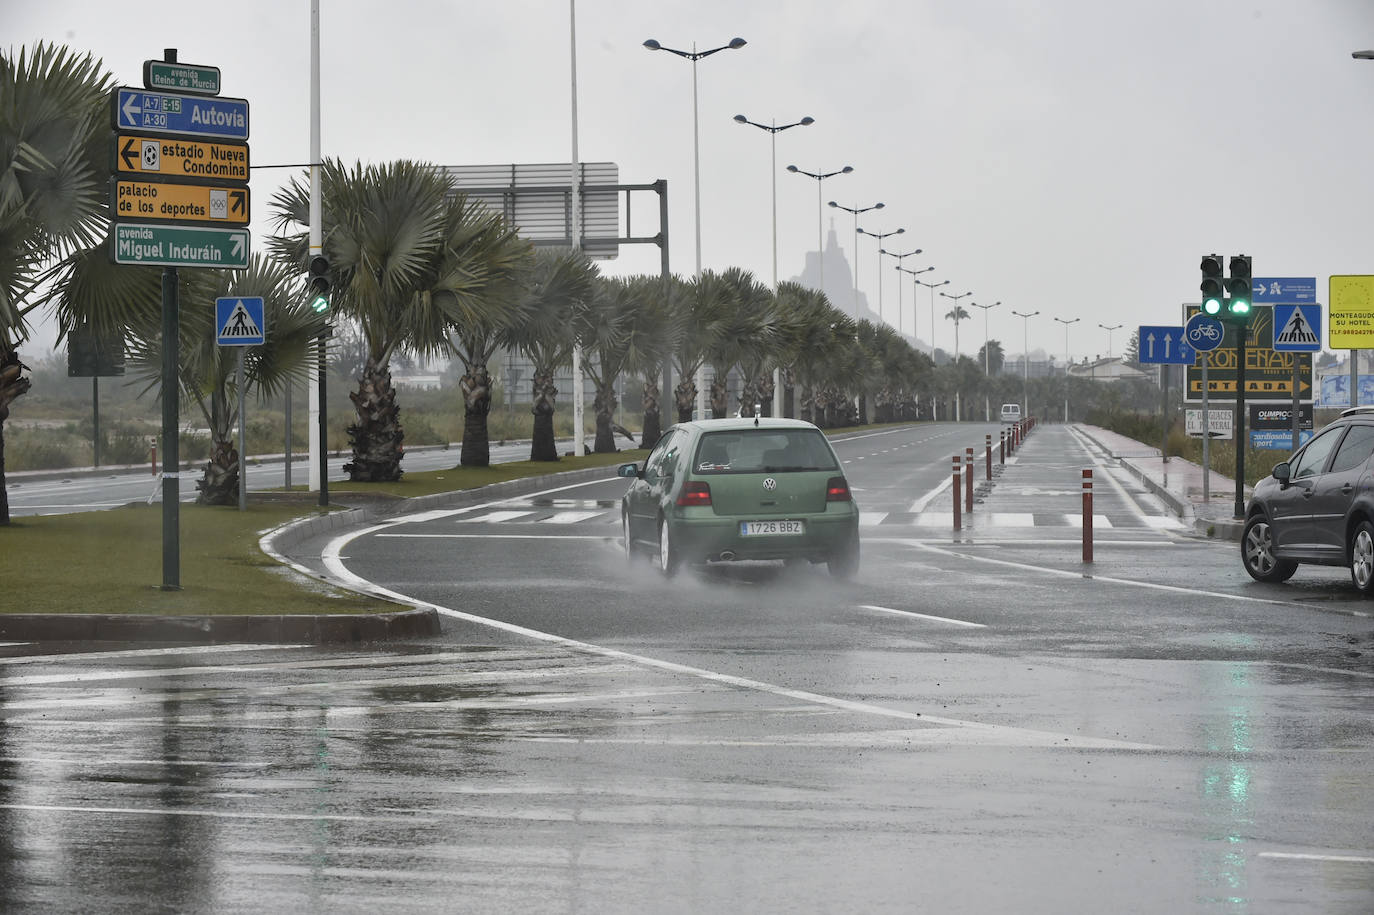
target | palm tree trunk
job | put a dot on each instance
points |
(604, 404)
(12, 385)
(376, 436)
(220, 484)
(476, 387)
(685, 393)
(653, 417)
(720, 400)
(544, 445)
(766, 389)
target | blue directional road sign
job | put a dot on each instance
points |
(1297, 328)
(1203, 332)
(239, 321)
(170, 112)
(1283, 290)
(1165, 345)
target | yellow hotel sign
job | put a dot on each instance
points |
(1350, 316)
(188, 204)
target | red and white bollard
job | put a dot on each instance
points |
(968, 481)
(957, 494)
(987, 455)
(1087, 516)
(1002, 448)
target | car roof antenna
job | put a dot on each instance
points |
(758, 408)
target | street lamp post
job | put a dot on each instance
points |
(1066, 324)
(879, 236)
(987, 362)
(856, 211)
(774, 129)
(955, 313)
(914, 283)
(694, 55)
(932, 287)
(899, 258)
(1109, 328)
(1025, 359)
(820, 219)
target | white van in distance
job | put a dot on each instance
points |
(1011, 412)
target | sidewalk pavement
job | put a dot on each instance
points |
(1177, 482)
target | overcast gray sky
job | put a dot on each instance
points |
(1073, 157)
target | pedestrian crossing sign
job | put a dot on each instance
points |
(1297, 328)
(239, 321)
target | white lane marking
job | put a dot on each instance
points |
(920, 504)
(923, 616)
(494, 517)
(1294, 856)
(221, 814)
(1076, 520)
(332, 559)
(1013, 519)
(508, 536)
(1082, 441)
(143, 652)
(570, 517)
(1066, 573)
(871, 519)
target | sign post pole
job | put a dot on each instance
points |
(1207, 434)
(1241, 332)
(243, 471)
(171, 491)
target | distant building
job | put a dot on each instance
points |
(1114, 369)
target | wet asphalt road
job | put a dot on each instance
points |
(979, 723)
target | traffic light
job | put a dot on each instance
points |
(318, 285)
(1238, 288)
(1211, 285)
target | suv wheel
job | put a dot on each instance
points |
(1257, 553)
(1362, 558)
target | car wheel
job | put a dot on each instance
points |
(625, 530)
(844, 564)
(1257, 553)
(668, 558)
(1362, 558)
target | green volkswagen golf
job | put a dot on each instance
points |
(733, 489)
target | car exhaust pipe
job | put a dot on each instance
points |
(727, 556)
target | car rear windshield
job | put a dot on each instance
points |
(763, 451)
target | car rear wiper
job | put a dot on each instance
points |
(788, 468)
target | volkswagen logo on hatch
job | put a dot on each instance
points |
(770, 484)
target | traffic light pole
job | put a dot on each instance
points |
(1242, 331)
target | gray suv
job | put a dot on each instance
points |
(1317, 506)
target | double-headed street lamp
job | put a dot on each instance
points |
(987, 363)
(932, 287)
(774, 129)
(899, 258)
(879, 236)
(694, 55)
(915, 282)
(1025, 358)
(1109, 328)
(1066, 323)
(856, 211)
(820, 219)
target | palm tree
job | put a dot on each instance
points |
(666, 319)
(807, 329)
(748, 339)
(705, 306)
(54, 151)
(956, 314)
(611, 328)
(559, 280)
(990, 355)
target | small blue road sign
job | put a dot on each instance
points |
(1278, 439)
(1297, 328)
(1283, 290)
(1165, 345)
(239, 321)
(201, 116)
(1203, 332)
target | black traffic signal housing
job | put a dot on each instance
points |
(1212, 290)
(1238, 289)
(318, 284)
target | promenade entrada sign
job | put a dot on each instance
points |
(1268, 374)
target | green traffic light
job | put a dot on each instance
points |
(1240, 307)
(1211, 306)
(320, 304)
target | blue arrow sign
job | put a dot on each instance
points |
(169, 112)
(1283, 290)
(1164, 345)
(239, 321)
(1203, 332)
(1297, 328)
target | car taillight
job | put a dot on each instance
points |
(837, 490)
(694, 493)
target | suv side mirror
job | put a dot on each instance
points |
(1281, 472)
(629, 470)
